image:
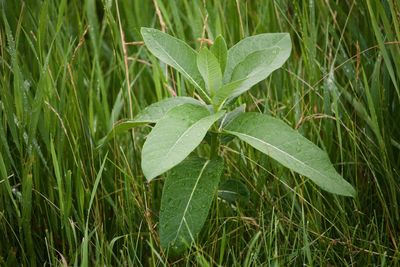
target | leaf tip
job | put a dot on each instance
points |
(146, 32)
(149, 177)
(352, 192)
(143, 30)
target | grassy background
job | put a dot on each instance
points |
(68, 71)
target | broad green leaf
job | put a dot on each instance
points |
(187, 196)
(256, 64)
(254, 68)
(175, 53)
(175, 135)
(233, 190)
(210, 70)
(249, 45)
(151, 114)
(157, 110)
(220, 51)
(276, 139)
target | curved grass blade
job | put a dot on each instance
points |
(233, 190)
(119, 127)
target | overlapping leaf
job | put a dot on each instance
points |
(252, 60)
(151, 114)
(175, 135)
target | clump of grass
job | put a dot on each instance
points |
(69, 71)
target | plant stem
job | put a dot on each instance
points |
(214, 146)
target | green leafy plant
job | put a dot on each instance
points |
(181, 123)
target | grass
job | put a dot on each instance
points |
(69, 70)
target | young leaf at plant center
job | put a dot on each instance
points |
(210, 70)
(233, 190)
(276, 139)
(187, 196)
(226, 119)
(249, 45)
(151, 114)
(230, 116)
(225, 91)
(220, 51)
(175, 135)
(175, 53)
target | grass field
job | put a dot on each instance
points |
(70, 69)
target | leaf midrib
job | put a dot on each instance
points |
(279, 150)
(274, 45)
(182, 69)
(182, 135)
(190, 198)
